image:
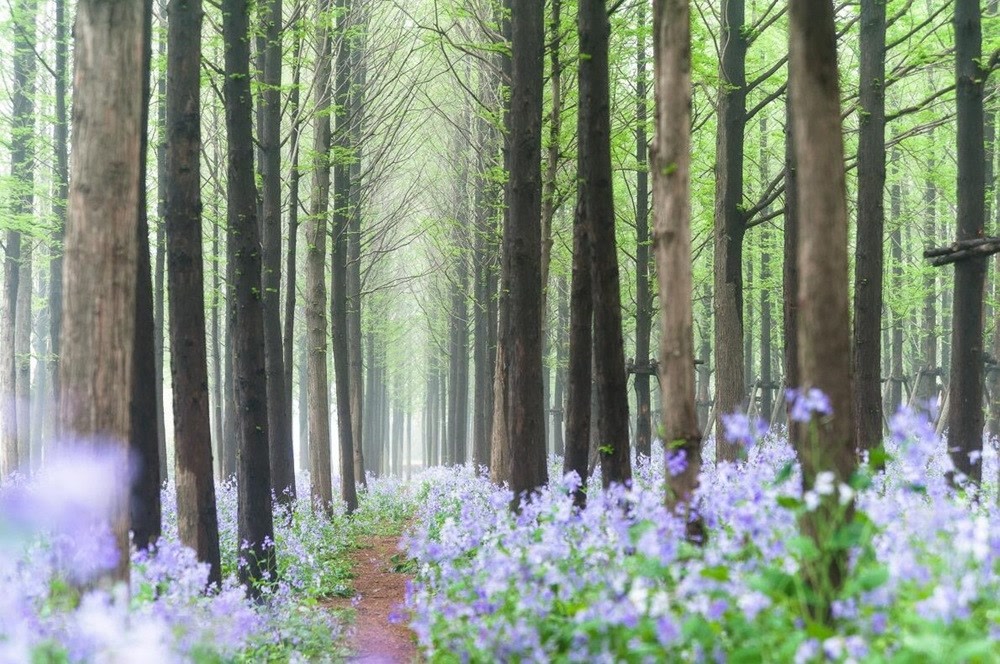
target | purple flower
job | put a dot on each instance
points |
(806, 403)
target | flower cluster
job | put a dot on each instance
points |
(618, 582)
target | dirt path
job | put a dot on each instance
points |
(379, 592)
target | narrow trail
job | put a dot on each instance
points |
(379, 592)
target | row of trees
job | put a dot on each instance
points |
(428, 153)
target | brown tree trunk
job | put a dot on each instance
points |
(458, 403)
(98, 331)
(672, 237)
(790, 263)
(315, 296)
(279, 419)
(197, 523)
(896, 255)
(965, 420)
(594, 131)
(246, 311)
(643, 298)
(824, 324)
(519, 418)
(60, 140)
(766, 374)
(22, 358)
(730, 226)
(291, 255)
(145, 442)
(341, 221)
(926, 386)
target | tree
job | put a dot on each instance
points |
(316, 232)
(866, 351)
(279, 416)
(197, 522)
(145, 442)
(672, 236)
(594, 129)
(98, 327)
(23, 173)
(518, 455)
(246, 325)
(965, 421)
(643, 298)
(730, 224)
(60, 140)
(338, 289)
(824, 316)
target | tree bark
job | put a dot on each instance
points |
(246, 311)
(98, 330)
(160, 265)
(279, 419)
(730, 226)
(341, 220)
(672, 237)
(766, 374)
(965, 420)
(869, 248)
(145, 440)
(60, 140)
(595, 169)
(896, 254)
(824, 325)
(316, 232)
(643, 298)
(197, 522)
(519, 418)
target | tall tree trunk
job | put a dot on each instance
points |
(519, 419)
(643, 298)
(145, 440)
(60, 140)
(965, 420)
(559, 392)
(929, 340)
(790, 262)
(766, 376)
(22, 158)
(197, 522)
(246, 311)
(279, 418)
(458, 404)
(98, 331)
(354, 332)
(594, 131)
(672, 236)
(291, 255)
(316, 232)
(554, 47)
(41, 430)
(896, 255)
(730, 225)
(824, 325)
(22, 357)
(304, 399)
(160, 266)
(341, 221)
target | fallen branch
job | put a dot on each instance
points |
(963, 250)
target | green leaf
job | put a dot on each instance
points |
(717, 573)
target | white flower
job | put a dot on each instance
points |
(811, 499)
(825, 483)
(846, 493)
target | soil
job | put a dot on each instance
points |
(379, 594)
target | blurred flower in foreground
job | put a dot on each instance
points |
(806, 403)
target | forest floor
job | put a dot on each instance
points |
(379, 593)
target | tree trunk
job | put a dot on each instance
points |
(341, 221)
(354, 331)
(595, 170)
(927, 384)
(246, 311)
(98, 331)
(519, 418)
(279, 418)
(197, 523)
(766, 375)
(824, 325)
(159, 267)
(730, 226)
(554, 47)
(790, 263)
(559, 391)
(60, 140)
(643, 298)
(896, 254)
(672, 236)
(316, 232)
(458, 404)
(145, 440)
(291, 256)
(965, 420)
(22, 359)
